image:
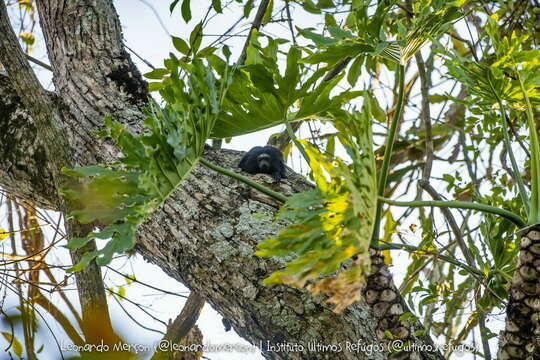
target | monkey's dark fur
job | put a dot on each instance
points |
(264, 160)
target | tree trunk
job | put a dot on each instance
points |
(520, 339)
(48, 123)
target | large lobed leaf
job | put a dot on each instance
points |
(260, 96)
(334, 222)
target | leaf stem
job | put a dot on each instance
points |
(508, 146)
(293, 137)
(437, 254)
(388, 151)
(509, 215)
(265, 190)
(534, 214)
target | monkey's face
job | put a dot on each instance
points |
(263, 162)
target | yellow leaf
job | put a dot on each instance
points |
(16, 345)
(387, 257)
(3, 234)
(28, 38)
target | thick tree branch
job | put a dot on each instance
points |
(187, 318)
(23, 170)
(205, 236)
(183, 323)
(26, 175)
(93, 74)
(46, 117)
(47, 120)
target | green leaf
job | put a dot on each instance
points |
(325, 4)
(207, 51)
(254, 102)
(216, 4)
(335, 221)
(195, 37)
(268, 14)
(180, 45)
(155, 86)
(287, 84)
(156, 74)
(310, 7)
(248, 7)
(186, 10)
(227, 52)
(329, 20)
(340, 34)
(173, 5)
(354, 70)
(318, 39)
(84, 262)
(77, 243)
(335, 53)
(378, 113)
(428, 26)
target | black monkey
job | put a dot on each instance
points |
(264, 160)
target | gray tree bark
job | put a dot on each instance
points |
(521, 336)
(206, 232)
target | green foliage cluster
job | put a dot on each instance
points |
(333, 222)
(121, 195)
(260, 96)
(506, 79)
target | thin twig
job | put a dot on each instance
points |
(147, 63)
(132, 278)
(157, 16)
(133, 319)
(425, 116)
(137, 305)
(289, 21)
(256, 25)
(39, 62)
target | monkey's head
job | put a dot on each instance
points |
(264, 162)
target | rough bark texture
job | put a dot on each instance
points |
(206, 233)
(387, 307)
(520, 339)
(47, 118)
(194, 337)
(205, 237)
(93, 75)
(179, 331)
(23, 169)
